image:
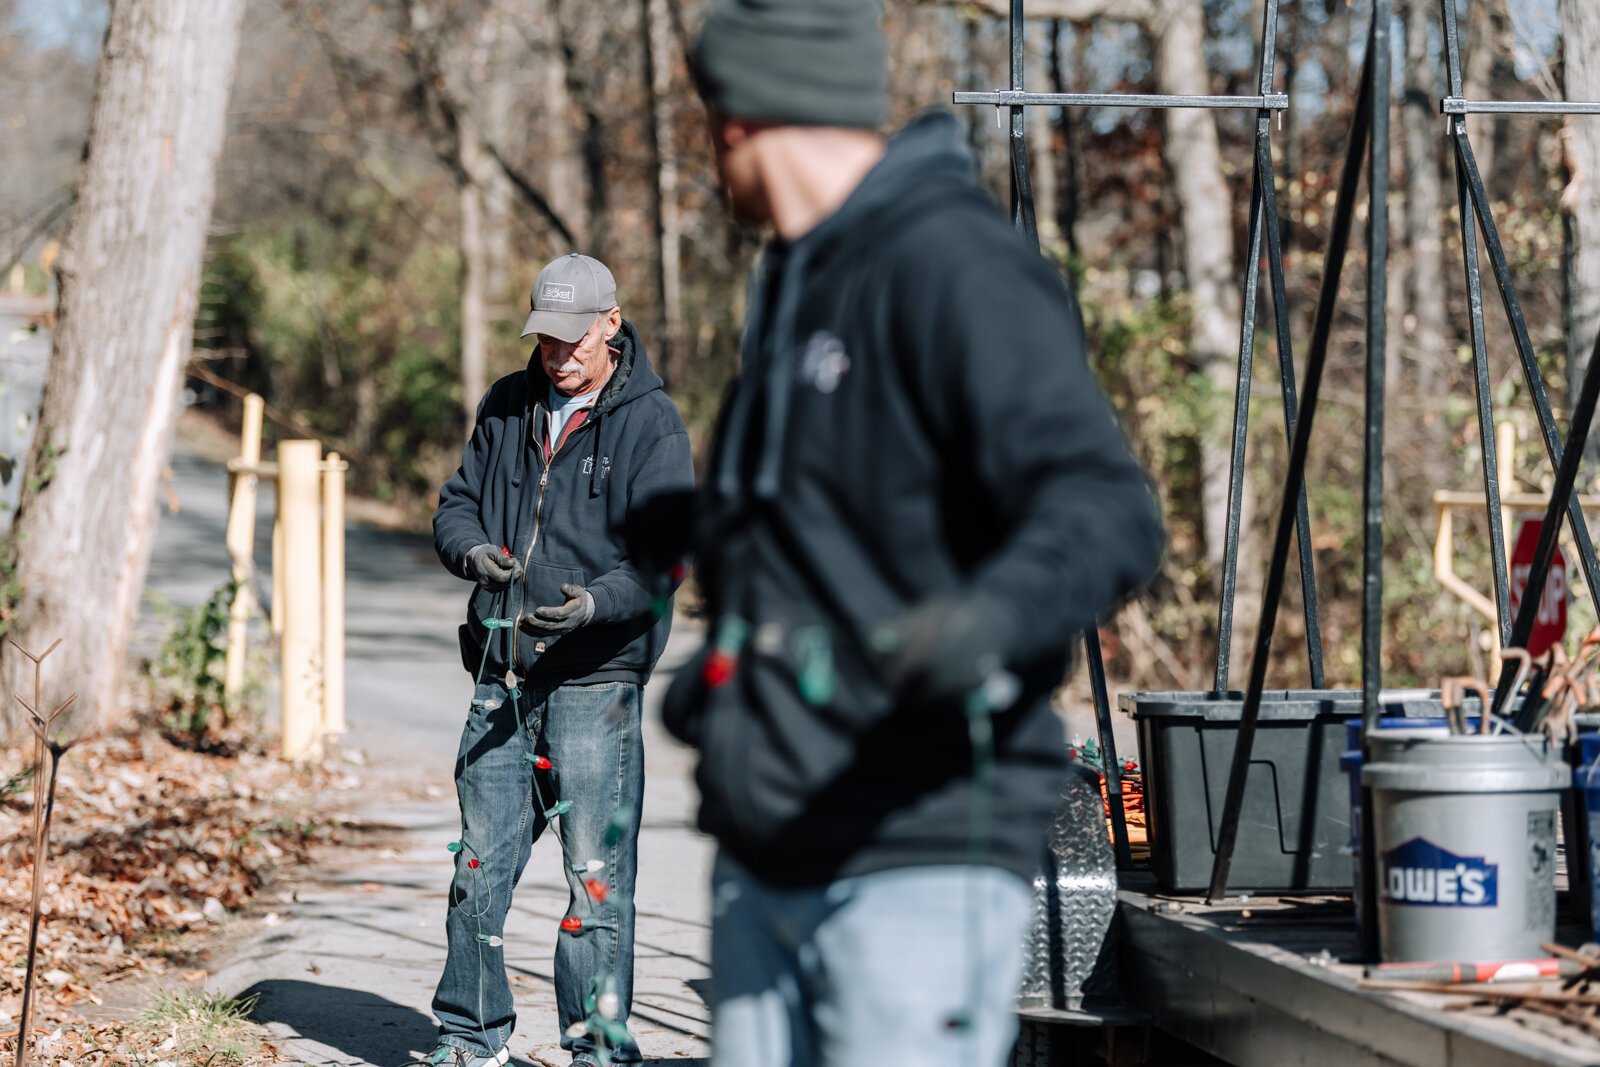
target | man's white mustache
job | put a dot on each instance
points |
(571, 366)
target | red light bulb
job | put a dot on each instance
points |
(597, 889)
(719, 669)
(572, 924)
(473, 863)
(543, 763)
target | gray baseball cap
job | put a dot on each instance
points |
(567, 296)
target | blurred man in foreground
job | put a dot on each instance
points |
(916, 497)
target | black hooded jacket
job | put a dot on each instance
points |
(610, 511)
(915, 421)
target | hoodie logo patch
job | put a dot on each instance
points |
(561, 294)
(605, 466)
(824, 363)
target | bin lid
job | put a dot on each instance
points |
(1284, 704)
(1276, 704)
(1425, 778)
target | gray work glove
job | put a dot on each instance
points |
(562, 618)
(492, 566)
(946, 649)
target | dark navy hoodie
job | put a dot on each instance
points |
(915, 420)
(609, 511)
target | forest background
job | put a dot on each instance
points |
(395, 172)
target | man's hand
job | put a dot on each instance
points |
(491, 566)
(562, 618)
(946, 649)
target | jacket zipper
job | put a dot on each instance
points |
(533, 542)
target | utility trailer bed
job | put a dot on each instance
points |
(1264, 983)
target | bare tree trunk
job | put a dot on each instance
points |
(1042, 149)
(1195, 161)
(1067, 221)
(1482, 41)
(668, 214)
(592, 142)
(129, 281)
(496, 189)
(474, 271)
(563, 170)
(1580, 30)
(1429, 346)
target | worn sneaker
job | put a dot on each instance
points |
(450, 1056)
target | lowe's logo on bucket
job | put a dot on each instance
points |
(1420, 872)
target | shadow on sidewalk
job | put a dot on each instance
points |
(364, 1027)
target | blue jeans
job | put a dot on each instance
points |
(590, 733)
(916, 966)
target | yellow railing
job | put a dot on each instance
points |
(307, 581)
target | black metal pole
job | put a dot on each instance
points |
(1280, 315)
(1531, 373)
(1560, 495)
(1316, 358)
(1485, 399)
(1241, 433)
(1021, 189)
(1108, 747)
(1377, 325)
(1280, 318)
(1022, 215)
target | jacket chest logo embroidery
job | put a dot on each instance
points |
(824, 363)
(605, 466)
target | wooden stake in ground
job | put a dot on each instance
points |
(129, 280)
(39, 745)
(242, 548)
(44, 807)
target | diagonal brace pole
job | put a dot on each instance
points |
(1316, 359)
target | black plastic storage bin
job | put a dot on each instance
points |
(1295, 822)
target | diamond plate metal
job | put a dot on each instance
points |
(1070, 952)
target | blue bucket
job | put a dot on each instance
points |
(1588, 782)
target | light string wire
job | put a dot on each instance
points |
(610, 907)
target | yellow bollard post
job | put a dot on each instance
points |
(242, 546)
(299, 497)
(277, 568)
(333, 724)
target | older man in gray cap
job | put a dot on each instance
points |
(917, 497)
(569, 514)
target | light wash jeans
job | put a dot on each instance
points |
(590, 733)
(917, 966)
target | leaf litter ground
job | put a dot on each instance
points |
(152, 846)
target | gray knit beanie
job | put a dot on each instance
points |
(795, 62)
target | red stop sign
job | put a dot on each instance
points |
(1550, 625)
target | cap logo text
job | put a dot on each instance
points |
(561, 294)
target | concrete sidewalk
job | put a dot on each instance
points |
(346, 974)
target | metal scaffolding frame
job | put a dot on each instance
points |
(1264, 231)
(1371, 126)
(1369, 143)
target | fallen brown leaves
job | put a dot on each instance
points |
(149, 842)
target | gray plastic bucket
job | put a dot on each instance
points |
(1465, 831)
